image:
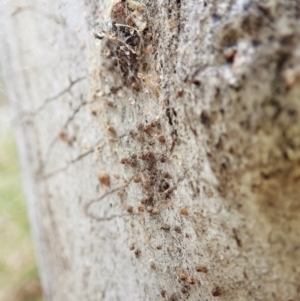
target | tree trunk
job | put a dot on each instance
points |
(160, 162)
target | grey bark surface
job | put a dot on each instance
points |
(117, 213)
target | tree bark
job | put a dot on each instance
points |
(162, 161)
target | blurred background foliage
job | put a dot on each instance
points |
(19, 279)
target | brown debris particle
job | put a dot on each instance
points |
(147, 184)
(110, 104)
(166, 175)
(121, 193)
(192, 280)
(140, 127)
(147, 200)
(162, 139)
(141, 208)
(136, 179)
(163, 186)
(173, 297)
(150, 209)
(290, 77)
(205, 118)
(183, 211)
(208, 192)
(236, 237)
(118, 12)
(140, 137)
(135, 86)
(165, 227)
(229, 54)
(177, 229)
(111, 129)
(180, 93)
(171, 249)
(132, 133)
(163, 159)
(201, 268)
(124, 161)
(63, 136)
(104, 179)
(151, 142)
(216, 292)
(155, 211)
(137, 253)
(130, 209)
(182, 276)
(147, 156)
(152, 265)
(149, 49)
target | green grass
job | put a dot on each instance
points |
(18, 272)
